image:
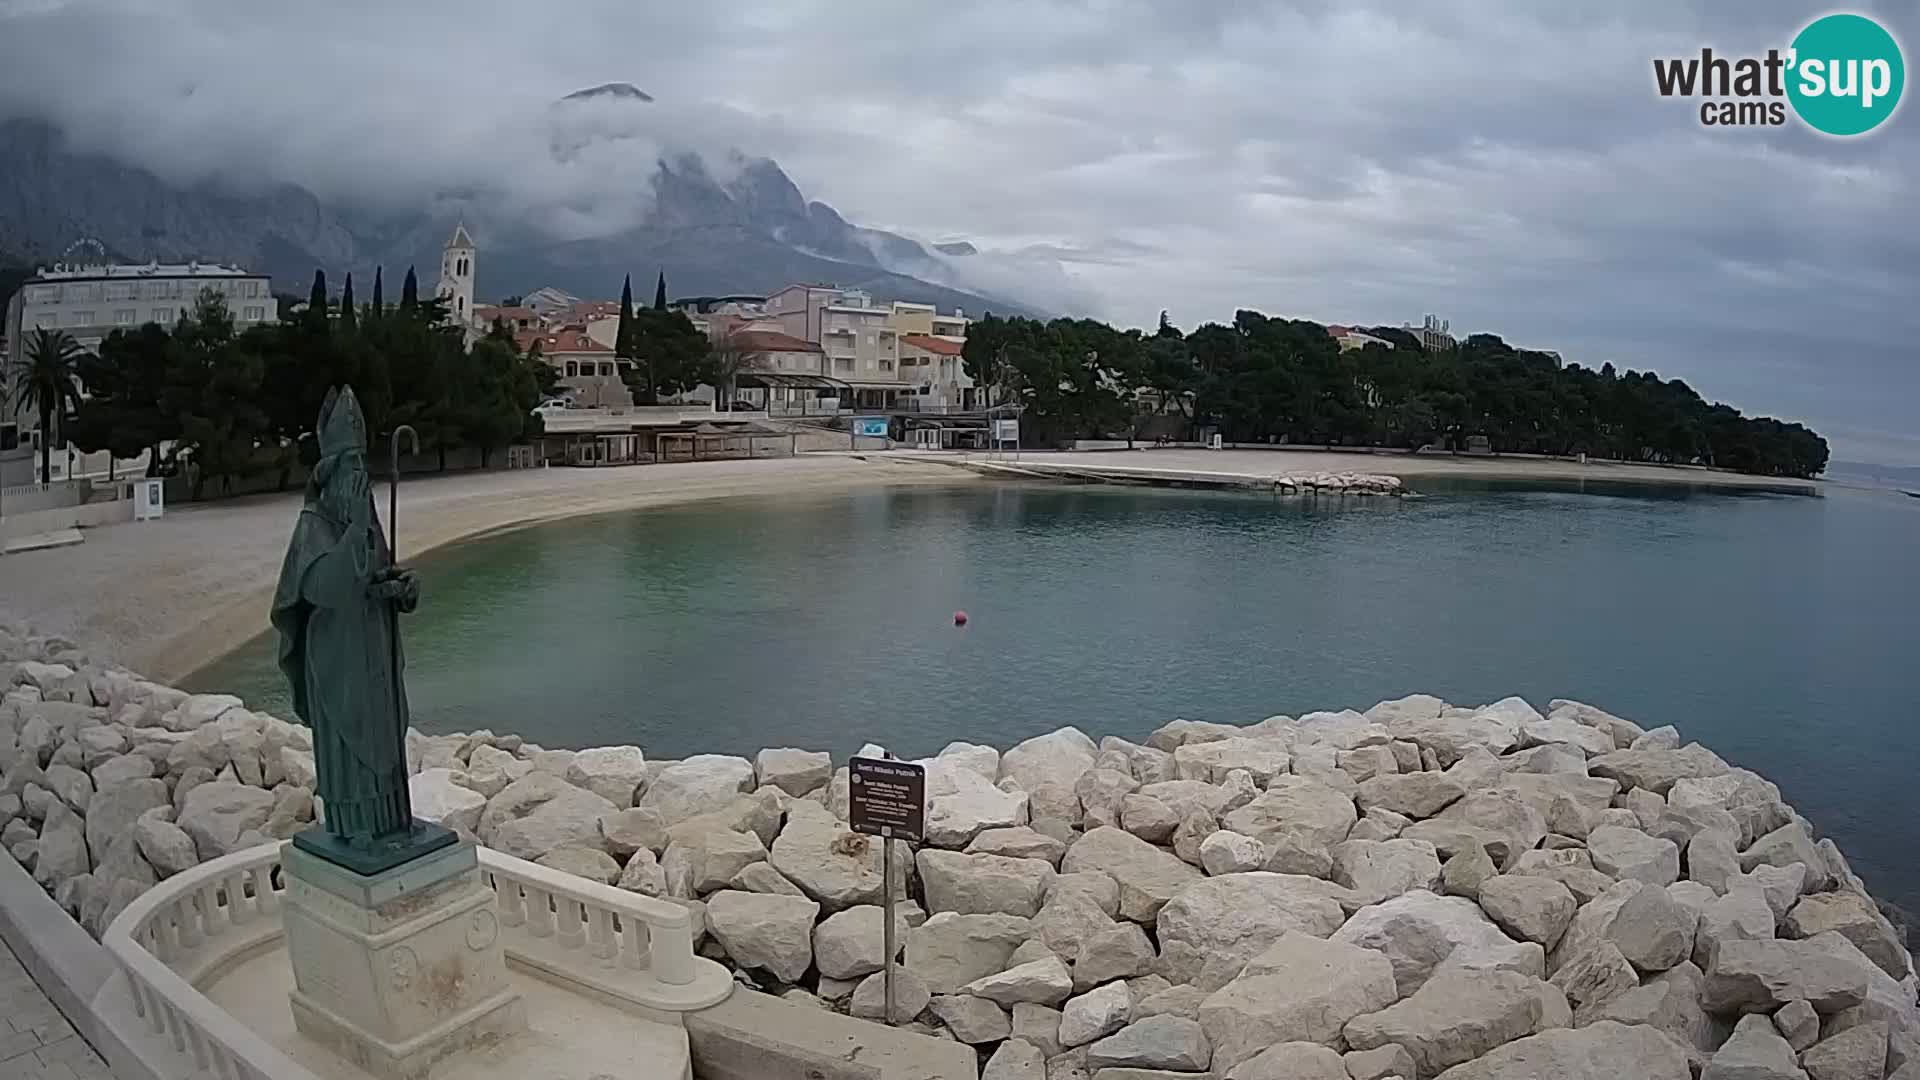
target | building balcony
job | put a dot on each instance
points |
(607, 977)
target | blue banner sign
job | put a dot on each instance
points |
(870, 427)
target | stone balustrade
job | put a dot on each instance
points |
(636, 948)
(571, 932)
(186, 927)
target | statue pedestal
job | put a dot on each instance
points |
(396, 970)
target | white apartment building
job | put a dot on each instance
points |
(1435, 334)
(864, 346)
(89, 302)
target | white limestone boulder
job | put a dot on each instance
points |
(1227, 852)
(1017, 842)
(1170, 1043)
(166, 847)
(1419, 931)
(1378, 869)
(950, 950)
(697, 785)
(1602, 1051)
(961, 804)
(983, 884)
(590, 863)
(1039, 982)
(1210, 762)
(1457, 1016)
(831, 863)
(796, 772)
(437, 797)
(1529, 908)
(1761, 976)
(1416, 795)
(1300, 989)
(1121, 952)
(615, 773)
(1299, 807)
(1630, 853)
(1755, 1051)
(1849, 914)
(769, 932)
(709, 860)
(111, 813)
(218, 813)
(1500, 821)
(1095, 1014)
(850, 944)
(972, 1020)
(1047, 767)
(1148, 876)
(1211, 927)
(540, 812)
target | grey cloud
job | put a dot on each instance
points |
(1508, 166)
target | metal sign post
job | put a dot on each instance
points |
(888, 799)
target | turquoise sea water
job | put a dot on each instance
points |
(1781, 631)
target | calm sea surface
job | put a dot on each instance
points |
(1782, 631)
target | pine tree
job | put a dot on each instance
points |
(660, 292)
(623, 337)
(349, 318)
(317, 300)
(409, 293)
(379, 301)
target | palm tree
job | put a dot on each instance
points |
(48, 378)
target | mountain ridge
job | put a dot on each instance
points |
(751, 234)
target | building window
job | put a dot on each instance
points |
(9, 436)
(162, 315)
(842, 363)
(255, 313)
(886, 365)
(45, 294)
(43, 322)
(80, 318)
(123, 317)
(573, 370)
(253, 289)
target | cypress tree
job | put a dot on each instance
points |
(379, 301)
(623, 337)
(660, 292)
(409, 293)
(317, 300)
(349, 318)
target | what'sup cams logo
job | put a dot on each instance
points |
(1842, 76)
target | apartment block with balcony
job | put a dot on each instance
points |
(90, 301)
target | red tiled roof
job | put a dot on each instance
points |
(566, 340)
(939, 346)
(771, 341)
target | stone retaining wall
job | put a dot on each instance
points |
(1419, 890)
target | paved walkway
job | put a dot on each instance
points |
(36, 1042)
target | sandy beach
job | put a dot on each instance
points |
(167, 597)
(1413, 467)
(164, 598)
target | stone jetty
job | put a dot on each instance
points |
(1417, 891)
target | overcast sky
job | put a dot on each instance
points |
(1504, 165)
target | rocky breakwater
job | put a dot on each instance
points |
(1338, 484)
(1415, 891)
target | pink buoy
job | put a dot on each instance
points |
(959, 618)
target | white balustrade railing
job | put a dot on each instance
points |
(635, 946)
(615, 942)
(167, 928)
